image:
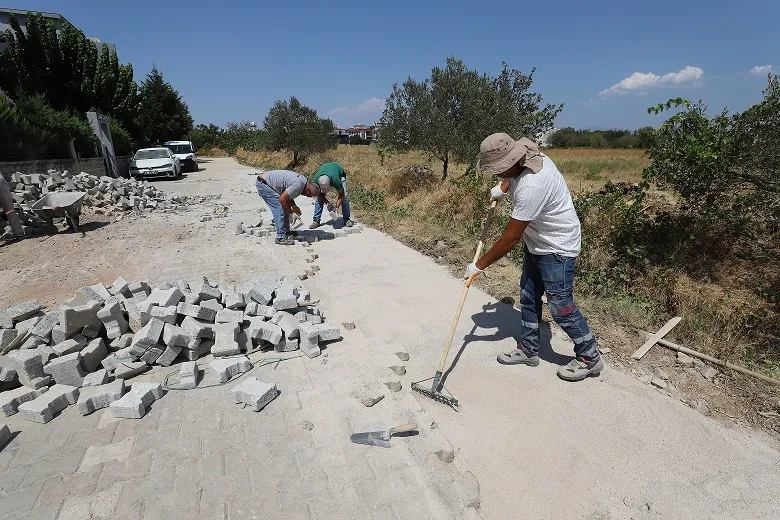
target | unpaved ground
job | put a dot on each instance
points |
(609, 447)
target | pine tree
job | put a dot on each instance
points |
(162, 116)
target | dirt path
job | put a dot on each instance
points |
(610, 447)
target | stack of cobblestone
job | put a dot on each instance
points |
(82, 353)
(106, 195)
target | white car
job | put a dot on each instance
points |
(155, 162)
(186, 154)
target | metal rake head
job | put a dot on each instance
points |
(436, 396)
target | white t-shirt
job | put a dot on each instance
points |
(543, 199)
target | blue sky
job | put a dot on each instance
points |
(230, 60)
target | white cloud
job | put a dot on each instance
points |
(760, 70)
(366, 112)
(641, 82)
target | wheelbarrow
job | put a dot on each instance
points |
(65, 204)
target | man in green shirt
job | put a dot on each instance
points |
(331, 176)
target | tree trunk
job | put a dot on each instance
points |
(446, 162)
(295, 159)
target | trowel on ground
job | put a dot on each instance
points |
(381, 438)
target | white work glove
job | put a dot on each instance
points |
(471, 270)
(497, 193)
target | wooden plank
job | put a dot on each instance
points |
(641, 351)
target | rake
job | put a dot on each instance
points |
(434, 392)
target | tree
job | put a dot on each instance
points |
(162, 116)
(204, 137)
(449, 114)
(66, 69)
(297, 128)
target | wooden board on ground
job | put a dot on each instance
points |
(641, 351)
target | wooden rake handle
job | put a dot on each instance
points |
(477, 254)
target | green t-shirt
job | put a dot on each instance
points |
(333, 171)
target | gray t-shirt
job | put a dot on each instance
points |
(285, 180)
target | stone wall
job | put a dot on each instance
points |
(93, 166)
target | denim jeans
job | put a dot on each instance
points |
(555, 275)
(318, 205)
(271, 198)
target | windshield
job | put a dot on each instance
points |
(151, 154)
(180, 148)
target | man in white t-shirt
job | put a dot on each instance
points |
(543, 216)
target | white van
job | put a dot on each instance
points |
(186, 154)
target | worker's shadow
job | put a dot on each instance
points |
(505, 319)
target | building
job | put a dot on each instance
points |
(57, 19)
(341, 134)
(364, 132)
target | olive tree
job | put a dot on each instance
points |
(293, 126)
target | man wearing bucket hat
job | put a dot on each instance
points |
(331, 176)
(543, 216)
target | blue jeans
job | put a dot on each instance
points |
(318, 205)
(271, 198)
(555, 275)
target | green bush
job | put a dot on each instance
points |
(369, 199)
(53, 129)
(121, 138)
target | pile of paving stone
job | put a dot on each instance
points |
(108, 196)
(82, 352)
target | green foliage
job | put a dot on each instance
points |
(368, 199)
(243, 135)
(297, 128)
(205, 137)
(356, 139)
(67, 70)
(163, 116)
(570, 138)
(449, 114)
(120, 137)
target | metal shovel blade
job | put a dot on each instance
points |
(372, 438)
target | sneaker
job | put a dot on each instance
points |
(292, 234)
(286, 241)
(315, 224)
(578, 369)
(349, 223)
(518, 357)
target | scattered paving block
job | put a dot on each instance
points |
(329, 332)
(5, 320)
(134, 403)
(74, 319)
(235, 301)
(265, 311)
(66, 370)
(197, 350)
(182, 286)
(251, 309)
(28, 365)
(169, 355)
(164, 314)
(11, 399)
(97, 397)
(225, 343)
(165, 297)
(190, 297)
(120, 286)
(92, 331)
(128, 369)
(287, 322)
(44, 327)
(188, 375)
(100, 377)
(74, 344)
(287, 345)
(24, 310)
(139, 288)
(27, 325)
(255, 393)
(196, 328)
(152, 354)
(285, 297)
(314, 319)
(7, 370)
(229, 316)
(147, 337)
(93, 354)
(262, 330)
(227, 368)
(43, 408)
(7, 336)
(137, 315)
(196, 311)
(175, 336)
(122, 342)
(113, 320)
(207, 292)
(5, 435)
(212, 304)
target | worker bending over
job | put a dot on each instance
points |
(331, 176)
(278, 188)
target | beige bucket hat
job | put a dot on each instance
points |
(499, 152)
(324, 182)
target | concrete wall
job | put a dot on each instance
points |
(93, 165)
